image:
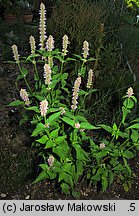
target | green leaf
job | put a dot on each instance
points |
(81, 118)
(125, 113)
(80, 153)
(68, 121)
(134, 135)
(111, 178)
(54, 133)
(43, 139)
(54, 117)
(33, 108)
(82, 92)
(127, 166)
(79, 167)
(128, 154)
(60, 139)
(64, 76)
(104, 183)
(134, 126)
(60, 152)
(65, 188)
(43, 175)
(78, 56)
(16, 103)
(91, 59)
(87, 125)
(114, 127)
(119, 167)
(24, 71)
(39, 128)
(19, 77)
(128, 103)
(39, 97)
(44, 166)
(106, 128)
(49, 144)
(76, 194)
(70, 59)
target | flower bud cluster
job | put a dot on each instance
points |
(90, 78)
(32, 44)
(130, 92)
(42, 26)
(24, 96)
(65, 43)
(85, 49)
(51, 160)
(43, 107)
(15, 52)
(75, 93)
(50, 43)
(47, 74)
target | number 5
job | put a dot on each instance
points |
(132, 206)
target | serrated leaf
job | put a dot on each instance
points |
(16, 103)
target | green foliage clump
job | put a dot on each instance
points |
(70, 146)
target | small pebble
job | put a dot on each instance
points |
(3, 195)
(27, 197)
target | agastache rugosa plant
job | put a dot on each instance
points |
(55, 106)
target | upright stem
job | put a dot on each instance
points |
(24, 78)
(36, 71)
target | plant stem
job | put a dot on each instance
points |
(24, 78)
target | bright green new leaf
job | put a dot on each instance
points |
(54, 133)
(43, 139)
(49, 144)
(134, 126)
